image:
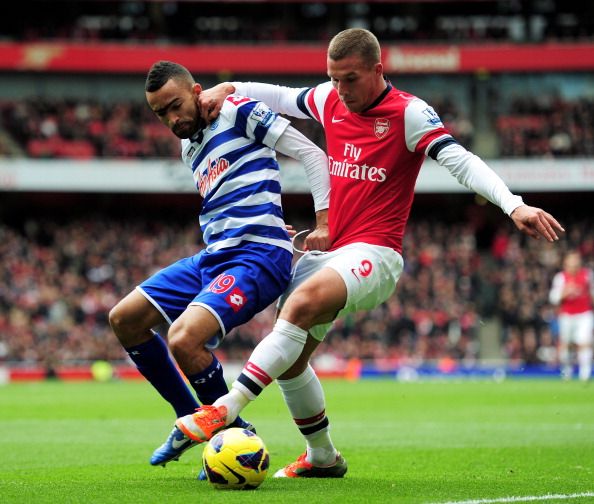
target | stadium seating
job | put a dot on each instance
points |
(57, 286)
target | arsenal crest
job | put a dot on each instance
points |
(381, 127)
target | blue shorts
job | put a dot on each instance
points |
(234, 284)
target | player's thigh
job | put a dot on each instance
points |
(316, 300)
(193, 328)
(370, 273)
(353, 278)
(172, 288)
(242, 286)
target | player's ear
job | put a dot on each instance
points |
(197, 89)
(379, 69)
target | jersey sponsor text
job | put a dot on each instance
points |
(213, 171)
(356, 171)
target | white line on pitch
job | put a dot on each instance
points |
(528, 498)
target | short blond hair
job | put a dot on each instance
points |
(355, 41)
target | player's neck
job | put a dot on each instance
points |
(382, 89)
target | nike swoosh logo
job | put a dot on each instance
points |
(240, 479)
(178, 443)
(336, 120)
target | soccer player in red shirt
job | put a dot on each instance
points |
(572, 291)
(377, 139)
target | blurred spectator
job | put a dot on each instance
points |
(572, 291)
(547, 126)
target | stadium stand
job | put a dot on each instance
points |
(298, 21)
(473, 288)
(57, 287)
(547, 126)
(544, 127)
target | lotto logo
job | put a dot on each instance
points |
(236, 299)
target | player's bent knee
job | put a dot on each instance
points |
(130, 326)
(118, 320)
(182, 341)
(178, 341)
(299, 308)
(305, 309)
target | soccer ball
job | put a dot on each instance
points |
(236, 459)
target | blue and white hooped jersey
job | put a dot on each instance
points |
(236, 172)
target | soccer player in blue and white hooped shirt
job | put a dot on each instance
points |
(246, 263)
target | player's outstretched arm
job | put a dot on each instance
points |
(473, 173)
(535, 222)
(281, 99)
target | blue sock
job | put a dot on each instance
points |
(210, 384)
(154, 362)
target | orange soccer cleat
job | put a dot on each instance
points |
(204, 423)
(301, 468)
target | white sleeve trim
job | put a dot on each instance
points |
(294, 144)
(473, 173)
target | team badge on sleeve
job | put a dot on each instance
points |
(432, 116)
(381, 127)
(262, 114)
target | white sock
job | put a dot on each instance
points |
(234, 401)
(304, 397)
(585, 363)
(276, 353)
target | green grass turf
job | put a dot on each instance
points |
(424, 442)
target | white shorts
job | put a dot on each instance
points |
(370, 273)
(576, 328)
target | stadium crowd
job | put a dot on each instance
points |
(82, 129)
(57, 286)
(547, 126)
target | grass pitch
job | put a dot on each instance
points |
(424, 442)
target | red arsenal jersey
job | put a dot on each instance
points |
(374, 160)
(580, 300)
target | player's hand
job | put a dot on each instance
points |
(535, 222)
(318, 239)
(291, 230)
(211, 100)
